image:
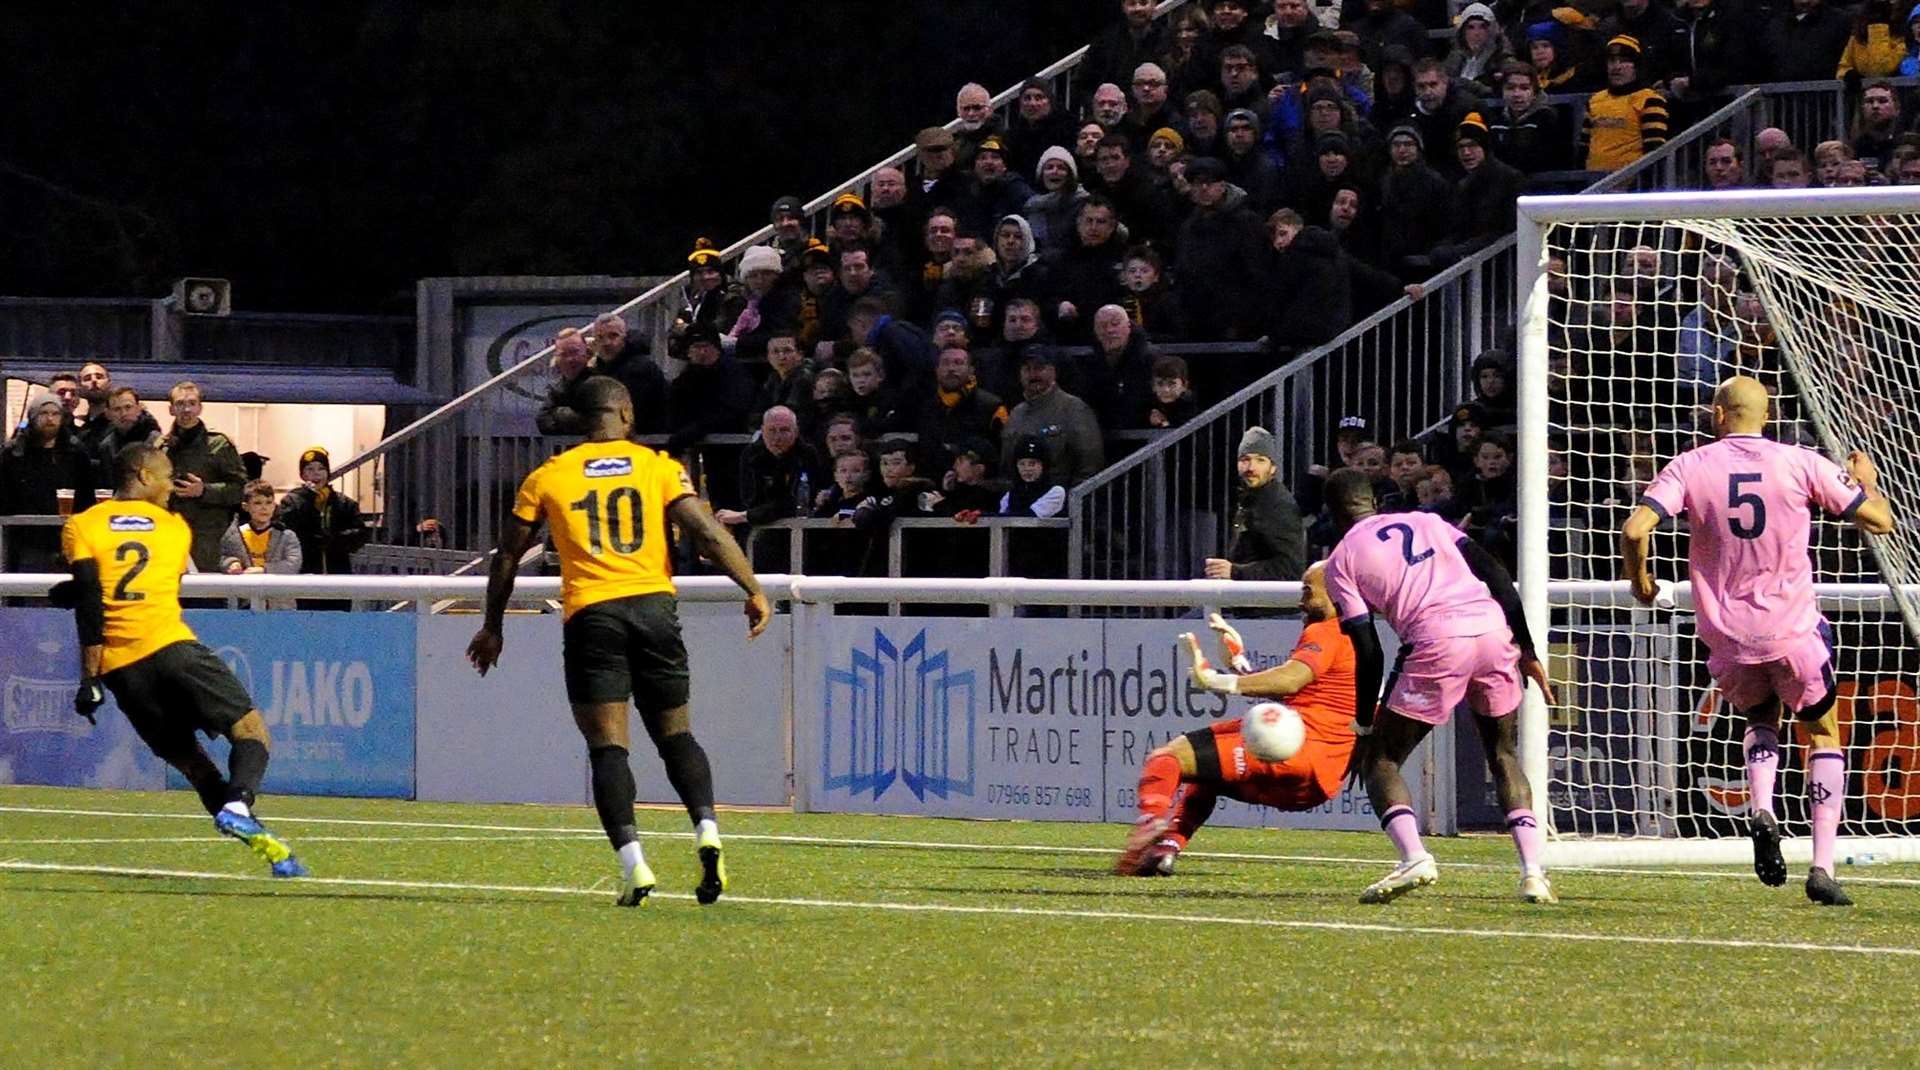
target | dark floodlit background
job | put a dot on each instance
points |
(323, 156)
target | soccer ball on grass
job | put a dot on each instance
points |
(1274, 732)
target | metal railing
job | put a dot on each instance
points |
(999, 533)
(1159, 511)
(421, 458)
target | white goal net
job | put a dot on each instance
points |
(1643, 304)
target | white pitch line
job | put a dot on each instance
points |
(1006, 911)
(60, 841)
(833, 841)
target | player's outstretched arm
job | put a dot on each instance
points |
(1280, 681)
(502, 571)
(1875, 515)
(714, 542)
(88, 600)
(1635, 538)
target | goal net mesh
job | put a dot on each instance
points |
(1643, 319)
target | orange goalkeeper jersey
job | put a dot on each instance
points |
(1326, 704)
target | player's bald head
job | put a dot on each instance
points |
(1350, 495)
(1740, 406)
(1314, 602)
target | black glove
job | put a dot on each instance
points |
(64, 595)
(89, 698)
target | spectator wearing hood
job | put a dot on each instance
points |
(1017, 272)
(1556, 60)
(1493, 390)
(1328, 165)
(43, 459)
(1050, 212)
(992, 194)
(1086, 274)
(1626, 120)
(1218, 257)
(1038, 124)
(1306, 290)
(1479, 49)
(1910, 62)
(1527, 134)
(1392, 89)
(1414, 203)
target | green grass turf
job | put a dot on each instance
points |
(112, 970)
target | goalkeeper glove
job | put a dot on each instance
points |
(1204, 675)
(89, 698)
(1236, 648)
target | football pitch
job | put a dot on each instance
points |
(437, 935)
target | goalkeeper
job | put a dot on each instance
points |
(1316, 680)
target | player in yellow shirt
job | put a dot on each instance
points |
(609, 502)
(127, 556)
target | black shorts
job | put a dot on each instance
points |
(626, 648)
(177, 689)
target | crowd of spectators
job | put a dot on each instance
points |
(1240, 172)
(60, 460)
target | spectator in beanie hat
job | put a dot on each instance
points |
(789, 219)
(1269, 541)
(326, 522)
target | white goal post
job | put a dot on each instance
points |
(1633, 307)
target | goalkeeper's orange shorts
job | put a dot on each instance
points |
(1302, 782)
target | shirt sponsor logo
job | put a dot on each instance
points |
(602, 467)
(129, 523)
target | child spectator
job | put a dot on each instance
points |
(873, 401)
(1493, 491)
(851, 473)
(258, 544)
(1406, 465)
(832, 395)
(968, 489)
(1454, 447)
(1173, 402)
(1493, 390)
(788, 381)
(1150, 302)
(1033, 493)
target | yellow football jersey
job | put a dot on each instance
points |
(142, 550)
(607, 505)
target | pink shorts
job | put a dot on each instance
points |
(1435, 676)
(1801, 678)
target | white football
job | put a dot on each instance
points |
(1273, 732)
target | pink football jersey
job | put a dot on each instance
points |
(1408, 567)
(1746, 500)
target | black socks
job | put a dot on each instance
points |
(613, 793)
